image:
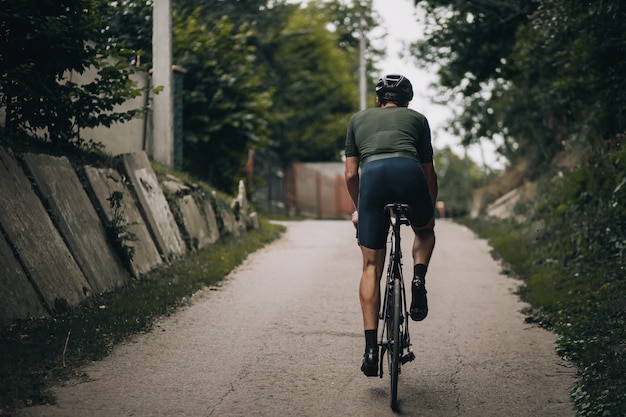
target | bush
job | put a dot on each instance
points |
(571, 253)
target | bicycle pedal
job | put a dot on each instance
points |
(407, 358)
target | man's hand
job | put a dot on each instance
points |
(355, 218)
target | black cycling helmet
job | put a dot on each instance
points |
(394, 87)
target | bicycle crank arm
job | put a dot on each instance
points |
(383, 350)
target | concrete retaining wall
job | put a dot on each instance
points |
(55, 247)
(101, 183)
(35, 241)
(153, 205)
(77, 220)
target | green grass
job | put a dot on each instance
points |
(284, 217)
(587, 310)
(570, 252)
(37, 354)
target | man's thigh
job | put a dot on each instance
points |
(427, 228)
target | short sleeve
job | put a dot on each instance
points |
(425, 146)
(351, 148)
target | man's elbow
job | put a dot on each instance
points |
(350, 175)
(351, 172)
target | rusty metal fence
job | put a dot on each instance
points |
(303, 189)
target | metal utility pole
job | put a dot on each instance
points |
(163, 103)
(362, 65)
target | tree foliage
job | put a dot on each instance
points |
(457, 177)
(259, 73)
(316, 88)
(556, 79)
(239, 11)
(129, 26)
(468, 42)
(537, 72)
(226, 102)
(130, 21)
(41, 44)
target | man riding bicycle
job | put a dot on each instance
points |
(391, 144)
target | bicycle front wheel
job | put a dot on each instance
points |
(395, 350)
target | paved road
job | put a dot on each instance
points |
(282, 337)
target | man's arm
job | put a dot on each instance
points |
(431, 179)
(352, 178)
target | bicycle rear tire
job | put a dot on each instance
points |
(395, 349)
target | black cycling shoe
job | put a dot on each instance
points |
(370, 361)
(419, 303)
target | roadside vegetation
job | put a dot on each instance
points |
(542, 80)
(37, 354)
(536, 77)
(260, 75)
(570, 252)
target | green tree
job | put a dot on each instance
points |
(238, 11)
(352, 21)
(226, 102)
(301, 61)
(129, 25)
(538, 73)
(469, 43)
(130, 21)
(560, 81)
(318, 88)
(583, 49)
(41, 44)
(457, 177)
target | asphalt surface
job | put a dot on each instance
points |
(282, 336)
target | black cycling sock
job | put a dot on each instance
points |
(419, 270)
(370, 338)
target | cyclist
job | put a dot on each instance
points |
(391, 145)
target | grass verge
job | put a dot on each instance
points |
(582, 299)
(36, 354)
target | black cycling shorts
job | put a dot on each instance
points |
(390, 180)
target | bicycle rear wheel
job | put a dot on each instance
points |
(395, 342)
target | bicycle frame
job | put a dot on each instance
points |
(395, 338)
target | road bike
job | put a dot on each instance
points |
(394, 341)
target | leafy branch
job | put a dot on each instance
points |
(118, 228)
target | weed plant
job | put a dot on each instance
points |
(118, 230)
(571, 253)
(36, 354)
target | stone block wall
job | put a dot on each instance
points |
(56, 241)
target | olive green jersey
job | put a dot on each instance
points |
(387, 130)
